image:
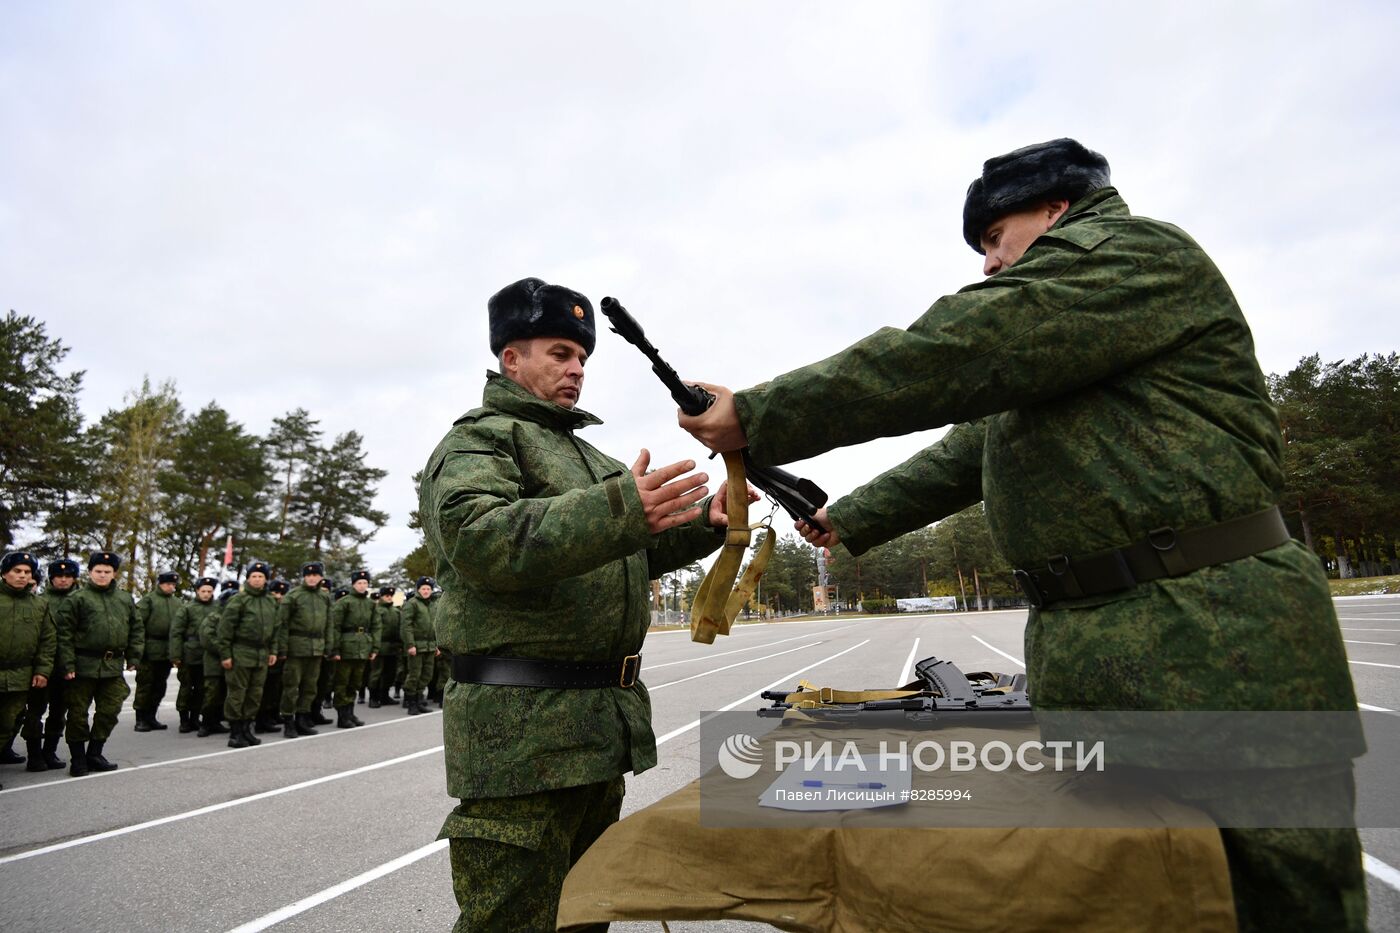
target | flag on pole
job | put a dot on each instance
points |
(228, 551)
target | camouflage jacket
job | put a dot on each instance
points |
(543, 551)
(304, 623)
(28, 638)
(355, 627)
(1107, 386)
(247, 628)
(390, 633)
(209, 636)
(417, 626)
(158, 612)
(185, 645)
(96, 622)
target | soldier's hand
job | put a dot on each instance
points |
(437, 652)
(719, 515)
(70, 675)
(39, 681)
(271, 660)
(226, 664)
(412, 651)
(373, 655)
(717, 427)
(174, 663)
(133, 667)
(819, 536)
(666, 499)
(335, 657)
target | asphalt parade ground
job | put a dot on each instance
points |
(335, 832)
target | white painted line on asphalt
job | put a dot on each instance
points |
(1374, 664)
(1351, 628)
(214, 808)
(1369, 618)
(716, 670)
(1374, 709)
(325, 732)
(334, 891)
(719, 654)
(1000, 652)
(779, 682)
(1381, 871)
(908, 665)
(1352, 641)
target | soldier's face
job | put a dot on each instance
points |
(101, 574)
(425, 591)
(1006, 239)
(311, 580)
(549, 368)
(257, 579)
(204, 593)
(166, 588)
(360, 586)
(62, 584)
(19, 576)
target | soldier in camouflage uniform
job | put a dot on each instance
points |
(303, 635)
(325, 681)
(53, 704)
(269, 710)
(187, 654)
(211, 712)
(1108, 404)
(383, 668)
(544, 547)
(99, 636)
(355, 632)
(246, 639)
(28, 645)
(157, 610)
(420, 645)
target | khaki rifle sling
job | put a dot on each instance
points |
(718, 601)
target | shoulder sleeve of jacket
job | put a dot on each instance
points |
(478, 518)
(1084, 303)
(48, 640)
(136, 631)
(941, 479)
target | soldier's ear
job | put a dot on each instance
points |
(1055, 209)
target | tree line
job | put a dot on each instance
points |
(164, 487)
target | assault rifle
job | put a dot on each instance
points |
(801, 498)
(941, 691)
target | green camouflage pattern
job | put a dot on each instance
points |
(510, 854)
(244, 684)
(304, 623)
(247, 627)
(185, 645)
(542, 550)
(28, 638)
(101, 619)
(105, 695)
(390, 630)
(299, 684)
(348, 678)
(158, 612)
(1108, 386)
(209, 637)
(355, 627)
(416, 624)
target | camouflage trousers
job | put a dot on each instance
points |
(151, 680)
(245, 687)
(349, 678)
(15, 704)
(1285, 879)
(382, 671)
(50, 704)
(106, 695)
(299, 677)
(419, 669)
(215, 694)
(190, 697)
(510, 854)
(271, 704)
(326, 679)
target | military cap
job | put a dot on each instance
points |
(315, 566)
(205, 581)
(104, 557)
(65, 567)
(387, 591)
(359, 575)
(228, 585)
(258, 566)
(279, 586)
(1060, 168)
(340, 593)
(15, 558)
(429, 581)
(167, 576)
(326, 584)
(533, 308)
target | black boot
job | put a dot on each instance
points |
(95, 760)
(422, 704)
(78, 752)
(374, 699)
(8, 756)
(316, 717)
(342, 718)
(410, 706)
(289, 729)
(265, 725)
(355, 720)
(187, 719)
(303, 724)
(142, 725)
(36, 756)
(248, 735)
(51, 758)
(153, 722)
(235, 734)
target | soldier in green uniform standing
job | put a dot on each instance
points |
(187, 654)
(544, 547)
(53, 704)
(326, 679)
(1110, 413)
(157, 610)
(385, 666)
(99, 636)
(420, 646)
(246, 641)
(303, 634)
(355, 630)
(269, 710)
(28, 644)
(215, 683)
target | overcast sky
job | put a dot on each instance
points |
(308, 204)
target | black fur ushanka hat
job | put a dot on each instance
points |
(533, 308)
(1060, 168)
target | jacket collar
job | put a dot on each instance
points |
(1105, 202)
(509, 398)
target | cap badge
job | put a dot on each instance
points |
(578, 312)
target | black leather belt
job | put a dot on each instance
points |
(1165, 552)
(104, 655)
(525, 672)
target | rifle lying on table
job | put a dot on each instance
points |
(715, 605)
(941, 690)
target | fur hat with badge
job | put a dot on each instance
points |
(1060, 168)
(533, 308)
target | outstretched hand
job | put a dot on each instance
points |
(667, 500)
(719, 514)
(819, 536)
(717, 427)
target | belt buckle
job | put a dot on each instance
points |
(631, 670)
(1033, 594)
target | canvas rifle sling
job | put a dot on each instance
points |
(718, 600)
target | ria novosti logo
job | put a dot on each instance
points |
(740, 756)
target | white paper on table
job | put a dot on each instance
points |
(838, 791)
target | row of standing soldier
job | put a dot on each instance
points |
(264, 656)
